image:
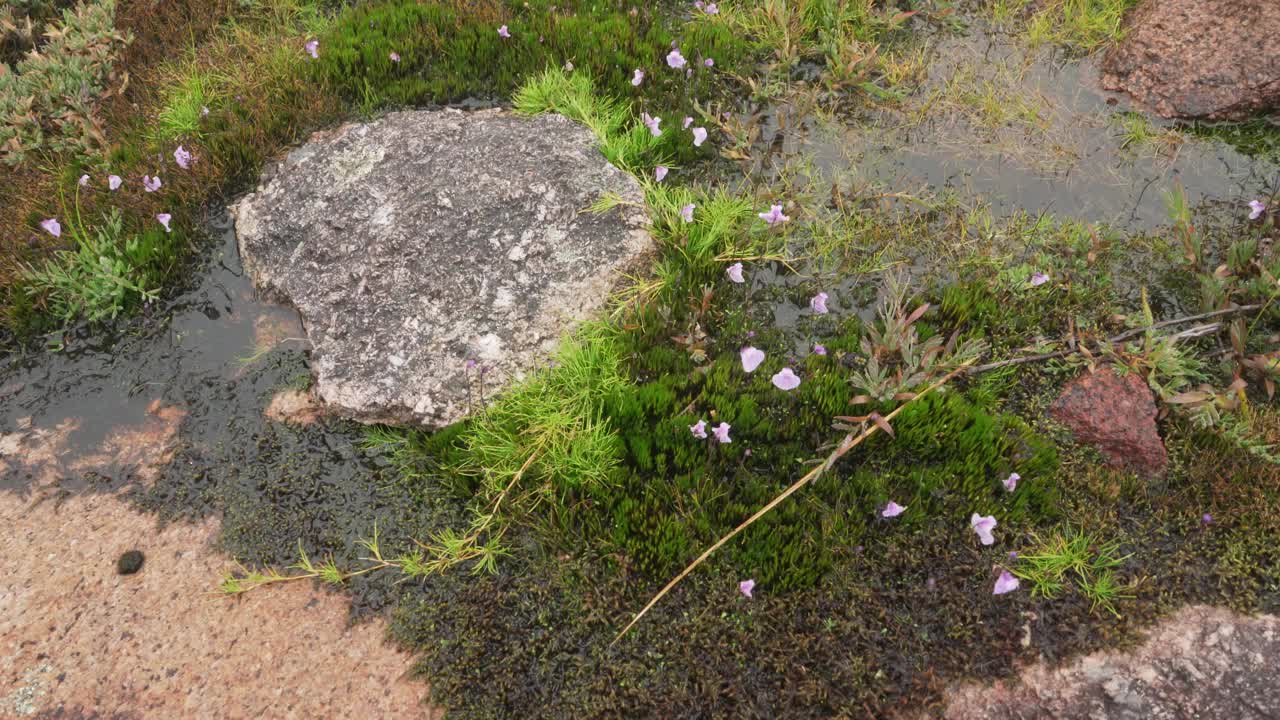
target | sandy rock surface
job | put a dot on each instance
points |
(1202, 662)
(1209, 59)
(77, 639)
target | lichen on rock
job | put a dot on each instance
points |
(416, 243)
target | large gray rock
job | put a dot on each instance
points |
(1211, 59)
(425, 239)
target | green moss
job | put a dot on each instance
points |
(450, 51)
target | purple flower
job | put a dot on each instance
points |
(699, 136)
(751, 358)
(651, 123)
(819, 349)
(721, 432)
(675, 59)
(52, 227)
(983, 526)
(697, 4)
(1011, 482)
(1256, 208)
(709, 62)
(163, 219)
(687, 122)
(699, 429)
(1006, 583)
(313, 48)
(182, 157)
(395, 58)
(746, 586)
(786, 380)
(638, 77)
(568, 66)
(1207, 519)
(113, 181)
(1039, 279)
(503, 32)
(734, 272)
(818, 303)
(893, 509)
(470, 364)
(774, 216)
(711, 9)
(84, 180)
(686, 212)
(660, 172)
(150, 184)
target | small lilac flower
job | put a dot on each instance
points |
(818, 303)
(686, 212)
(163, 219)
(983, 527)
(675, 59)
(1006, 583)
(687, 122)
(697, 4)
(699, 429)
(699, 136)
(660, 172)
(709, 62)
(52, 227)
(313, 48)
(734, 272)
(1039, 279)
(893, 509)
(182, 157)
(638, 77)
(711, 9)
(84, 180)
(150, 184)
(1011, 482)
(204, 111)
(721, 432)
(1013, 555)
(503, 32)
(395, 57)
(688, 73)
(651, 123)
(1256, 208)
(113, 182)
(470, 364)
(568, 66)
(751, 333)
(751, 358)
(746, 586)
(819, 349)
(1207, 519)
(786, 380)
(774, 216)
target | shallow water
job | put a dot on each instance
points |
(997, 124)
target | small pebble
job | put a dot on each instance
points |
(130, 562)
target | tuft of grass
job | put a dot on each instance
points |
(1080, 25)
(1073, 556)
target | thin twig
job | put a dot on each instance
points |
(1194, 332)
(849, 442)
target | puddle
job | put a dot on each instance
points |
(95, 386)
(1016, 130)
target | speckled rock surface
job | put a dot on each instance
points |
(428, 238)
(1202, 662)
(1211, 59)
(1117, 415)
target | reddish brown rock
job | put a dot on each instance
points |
(1210, 59)
(1117, 415)
(1203, 662)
